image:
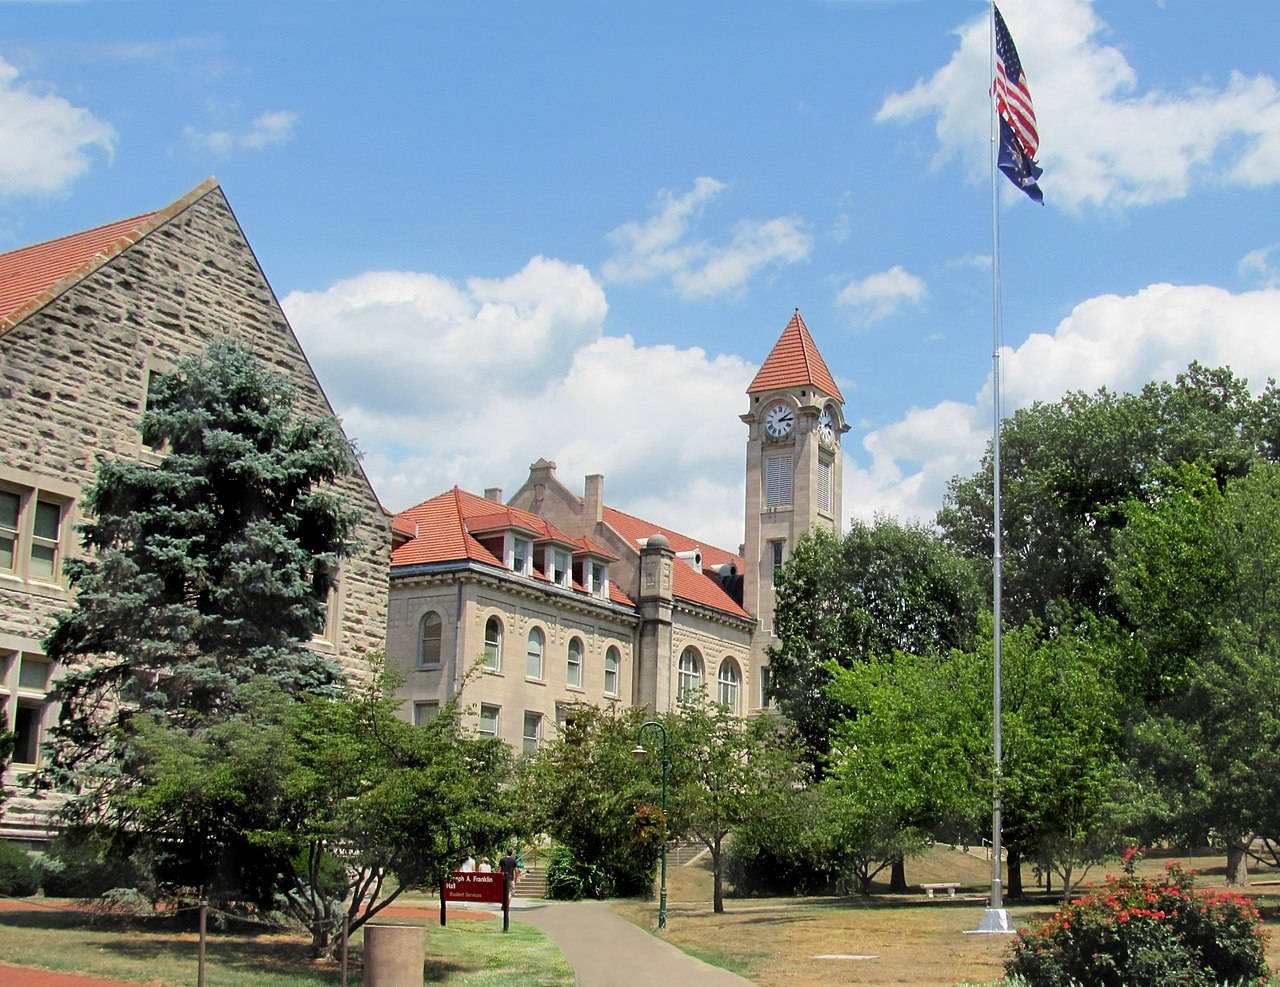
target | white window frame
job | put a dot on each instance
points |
(492, 713)
(24, 539)
(688, 673)
(424, 661)
(520, 554)
(531, 741)
(612, 669)
(493, 647)
(561, 568)
(540, 656)
(598, 579)
(728, 684)
(574, 663)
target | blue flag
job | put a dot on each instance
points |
(1019, 168)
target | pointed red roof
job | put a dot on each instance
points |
(33, 276)
(794, 361)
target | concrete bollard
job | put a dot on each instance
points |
(394, 955)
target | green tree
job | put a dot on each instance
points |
(881, 588)
(726, 773)
(204, 571)
(585, 789)
(1069, 468)
(1196, 573)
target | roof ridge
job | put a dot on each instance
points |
(151, 221)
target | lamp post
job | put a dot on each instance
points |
(639, 754)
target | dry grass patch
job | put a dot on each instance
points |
(774, 942)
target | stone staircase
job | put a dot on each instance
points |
(684, 854)
(532, 884)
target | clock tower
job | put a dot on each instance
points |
(795, 469)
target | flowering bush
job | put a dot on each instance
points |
(1135, 931)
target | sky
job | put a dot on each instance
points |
(573, 230)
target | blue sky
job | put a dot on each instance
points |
(573, 230)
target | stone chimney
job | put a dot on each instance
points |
(494, 494)
(593, 498)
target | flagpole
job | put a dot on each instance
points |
(996, 917)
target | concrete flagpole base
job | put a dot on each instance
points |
(995, 921)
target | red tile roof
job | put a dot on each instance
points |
(793, 361)
(440, 530)
(33, 276)
(697, 587)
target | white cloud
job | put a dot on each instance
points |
(1113, 341)
(658, 248)
(1261, 266)
(1104, 141)
(45, 142)
(267, 130)
(444, 384)
(878, 296)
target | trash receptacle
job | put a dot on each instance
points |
(394, 954)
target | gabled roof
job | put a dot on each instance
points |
(795, 361)
(31, 277)
(703, 588)
(440, 530)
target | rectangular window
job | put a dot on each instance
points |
(532, 731)
(9, 502)
(560, 571)
(775, 554)
(424, 712)
(824, 484)
(489, 720)
(765, 678)
(33, 674)
(521, 555)
(599, 580)
(31, 525)
(777, 481)
(26, 733)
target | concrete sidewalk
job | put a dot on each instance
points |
(605, 950)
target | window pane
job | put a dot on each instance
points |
(575, 662)
(26, 729)
(429, 648)
(42, 557)
(728, 680)
(532, 731)
(8, 511)
(489, 721)
(689, 678)
(47, 518)
(493, 644)
(533, 657)
(423, 712)
(6, 550)
(33, 673)
(611, 661)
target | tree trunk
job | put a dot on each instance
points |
(1014, 880)
(898, 876)
(717, 893)
(1238, 861)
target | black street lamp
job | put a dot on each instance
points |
(639, 754)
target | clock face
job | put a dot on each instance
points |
(779, 420)
(826, 425)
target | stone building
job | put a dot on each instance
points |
(552, 599)
(85, 322)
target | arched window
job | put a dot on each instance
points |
(493, 644)
(727, 683)
(612, 661)
(573, 673)
(533, 657)
(689, 679)
(429, 640)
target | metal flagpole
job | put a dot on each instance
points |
(995, 918)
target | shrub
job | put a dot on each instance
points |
(18, 874)
(569, 878)
(1137, 931)
(83, 865)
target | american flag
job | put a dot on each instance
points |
(1013, 99)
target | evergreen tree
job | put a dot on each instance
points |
(204, 571)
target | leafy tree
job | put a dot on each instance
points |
(316, 806)
(1069, 468)
(204, 571)
(1196, 573)
(726, 773)
(585, 789)
(880, 589)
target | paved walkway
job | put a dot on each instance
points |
(21, 976)
(605, 950)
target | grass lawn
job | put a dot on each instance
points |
(54, 935)
(914, 941)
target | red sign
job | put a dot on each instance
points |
(474, 886)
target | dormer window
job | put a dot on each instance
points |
(521, 555)
(561, 570)
(599, 585)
